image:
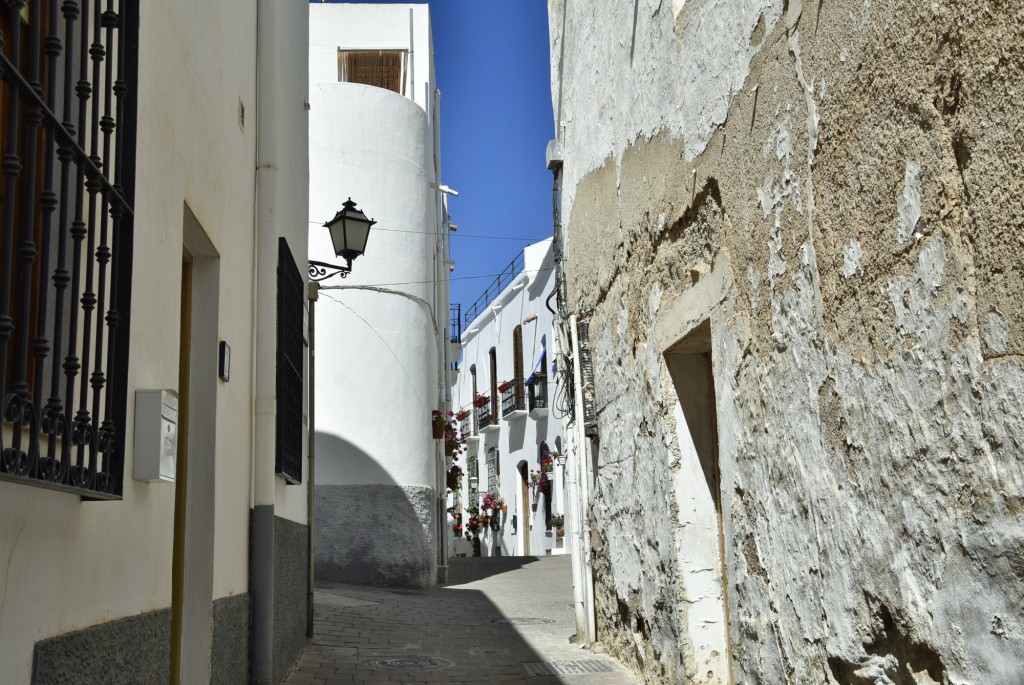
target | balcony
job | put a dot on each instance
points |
(485, 422)
(538, 396)
(513, 404)
(455, 330)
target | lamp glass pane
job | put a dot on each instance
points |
(356, 234)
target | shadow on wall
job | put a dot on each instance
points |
(339, 462)
(516, 435)
(370, 530)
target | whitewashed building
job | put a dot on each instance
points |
(505, 395)
(383, 331)
(153, 523)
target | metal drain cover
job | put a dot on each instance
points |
(536, 668)
(410, 663)
(524, 621)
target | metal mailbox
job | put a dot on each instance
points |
(156, 435)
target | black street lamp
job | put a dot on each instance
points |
(349, 230)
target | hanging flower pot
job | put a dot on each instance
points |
(534, 506)
(480, 401)
(454, 478)
(438, 424)
(504, 386)
(462, 415)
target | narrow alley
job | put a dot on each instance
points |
(509, 627)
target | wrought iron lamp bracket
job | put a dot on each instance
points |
(321, 271)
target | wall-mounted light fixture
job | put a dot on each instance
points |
(349, 231)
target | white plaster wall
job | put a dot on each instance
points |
(291, 204)
(68, 564)
(377, 376)
(372, 27)
(522, 303)
(637, 69)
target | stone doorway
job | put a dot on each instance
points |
(700, 547)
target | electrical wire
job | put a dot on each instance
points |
(565, 391)
(456, 278)
(454, 234)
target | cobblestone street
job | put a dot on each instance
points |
(510, 627)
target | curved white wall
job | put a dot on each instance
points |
(376, 373)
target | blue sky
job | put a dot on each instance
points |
(491, 60)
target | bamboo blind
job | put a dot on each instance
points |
(380, 68)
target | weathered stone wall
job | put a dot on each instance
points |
(375, 535)
(850, 176)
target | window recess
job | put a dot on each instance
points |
(380, 68)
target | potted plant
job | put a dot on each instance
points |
(504, 386)
(438, 423)
(454, 442)
(454, 478)
(462, 415)
(480, 401)
(558, 523)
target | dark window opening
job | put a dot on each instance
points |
(290, 309)
(493, 354)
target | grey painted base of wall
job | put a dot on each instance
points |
(137, 649)
(230, 659)
(127, 651)
(376, 535)
(291, 576)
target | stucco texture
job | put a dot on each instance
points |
(126, 651)
(375, 535)
(853, 190)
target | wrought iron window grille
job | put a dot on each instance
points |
(483, 416)
(538, 392)
(69, 75)
(512, 398)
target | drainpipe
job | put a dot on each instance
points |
(583, 481)
(262, 533)
(571, 470)
(313, 296)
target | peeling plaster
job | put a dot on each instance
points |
(861, 480)
(908, 204)
(852, 254)
(995, 331)
(626, 90)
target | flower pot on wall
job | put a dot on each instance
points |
(533, 506)
(437, 430)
